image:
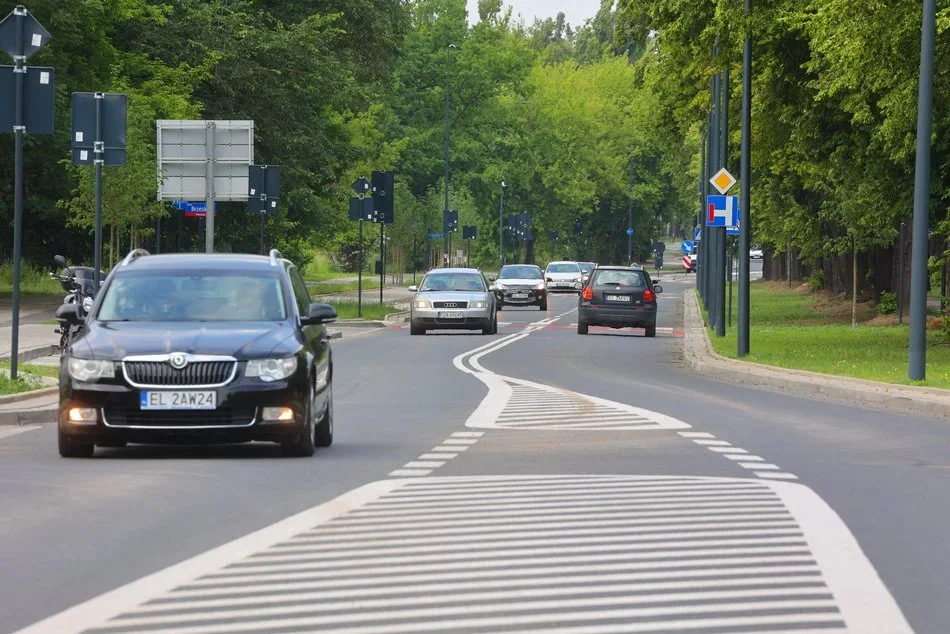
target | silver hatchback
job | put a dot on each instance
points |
(453, 299)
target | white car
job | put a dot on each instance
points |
(755, 253)
(564, 276)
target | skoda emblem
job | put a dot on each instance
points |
(178, 360)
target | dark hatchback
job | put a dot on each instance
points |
(618, 297)
(199, 349)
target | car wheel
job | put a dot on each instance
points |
(487, 328)
(324, 431)
(582, 327)
(71, 449)
(650, 331)
(415, 329)
(303, 445)
(543, 306)
(494, 326)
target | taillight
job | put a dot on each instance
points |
(588, 294)
(648, 297)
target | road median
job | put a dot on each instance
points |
(905, 399)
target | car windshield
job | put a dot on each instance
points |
(627, 279)
(588, 266)
(564, 267)
(182, 296)
(520, 273)
(464, 282)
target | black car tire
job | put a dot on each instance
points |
(544, 305)
(324, 432)
(582, 327)
(650, 331)
(303, 446)
(415, 329)
(70, 449)
(491, 327)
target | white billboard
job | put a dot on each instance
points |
(183, 159)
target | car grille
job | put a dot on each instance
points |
(195, 373)
(450, 304)
(118, 416)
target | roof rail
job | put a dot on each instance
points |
(134, 255)
(274, 256)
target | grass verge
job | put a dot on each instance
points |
(16, 386)
(32, 281)
(812, 331)
(331, 288)
(34, 369)
(371, 310)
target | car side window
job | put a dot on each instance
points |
(301, 294)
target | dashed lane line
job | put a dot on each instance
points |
(426, 463)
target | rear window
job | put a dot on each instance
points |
(625, 279)
(520, 273)
(564, 267)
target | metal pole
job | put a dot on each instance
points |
(721, 232)
(629, 218)
(209, 197)
(414, 260)
(445, 142)
(359, 277)
(702, 198)
(99, 159)
(382, 259)
(18, 129)
(705, 247)
(158, 234)
(900, 277)
(263, 213)
(712, 268)
(501, 228)
(730, 287)
(745, 217)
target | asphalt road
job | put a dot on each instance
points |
(536, 480)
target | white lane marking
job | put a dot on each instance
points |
(695, 434)
(402, 473)
(808, 573)
(727, 450)
(712, 443)
(765, 466)
(437, 456)
(468, 434)
(459, 441)
(778, 476)
(743, 457)
(6, 432)
(424, 464)
(445, 448)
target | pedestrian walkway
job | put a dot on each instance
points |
(560, 554)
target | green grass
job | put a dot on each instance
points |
(810, 332)
(32, 281)
(34, 369)
(15, 386)
(343, 287)
(371, 310)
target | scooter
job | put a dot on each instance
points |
(80, 291)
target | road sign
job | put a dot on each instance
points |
(263, 188)
(360, 186)
(687, 263)
(723, 181)
(35, 36)
(733, 231)
(39, 92)
(183, 159)
(698, 234)
(722, 211)
(687, 246)
(629, 231)
(469, 232)
(99, 121)
(435, 235)
(191, 209)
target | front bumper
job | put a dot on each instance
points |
(237, 417)
(563, 286)
(514, 296)
(473, 318)
(620, 316)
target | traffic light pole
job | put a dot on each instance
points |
(745, 222)
(18, 129)
(359, 277)
(448, 105)
(501, 228)
(721, 232)
(382, 260)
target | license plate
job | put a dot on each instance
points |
(519, 296)
(617, 298)
(451, 315)
(179, 400)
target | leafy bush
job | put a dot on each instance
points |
(817, 280)
(888, 303)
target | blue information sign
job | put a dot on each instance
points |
(630, 231)
(698, 234)
(687, 246)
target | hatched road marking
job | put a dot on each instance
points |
(437, 555)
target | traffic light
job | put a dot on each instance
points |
(383, 186)
(469, 233)
(450, 220)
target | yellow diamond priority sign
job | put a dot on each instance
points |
(723, 180)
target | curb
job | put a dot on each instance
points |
(29, 416)
(29, 354)
(360, 323)
(902, 399)
(402, 317)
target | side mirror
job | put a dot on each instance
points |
(657, 289)
(60, 261)
(69, 313)
(492, 278)
(319, 314)
(493, 288)
(413, 289)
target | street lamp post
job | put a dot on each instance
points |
(917, 354)
(501, 228)
(448, 106)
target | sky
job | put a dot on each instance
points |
(576, 11)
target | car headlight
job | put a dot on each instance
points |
(478, 305)
(422, 304)
(500, 286)
(271, 369)
(540, 286)
(86, 304)
(91, 369)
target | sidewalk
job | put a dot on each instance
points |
(33, 407)
(903, 399)
(397, 295)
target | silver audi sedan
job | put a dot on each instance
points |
(453, 299)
